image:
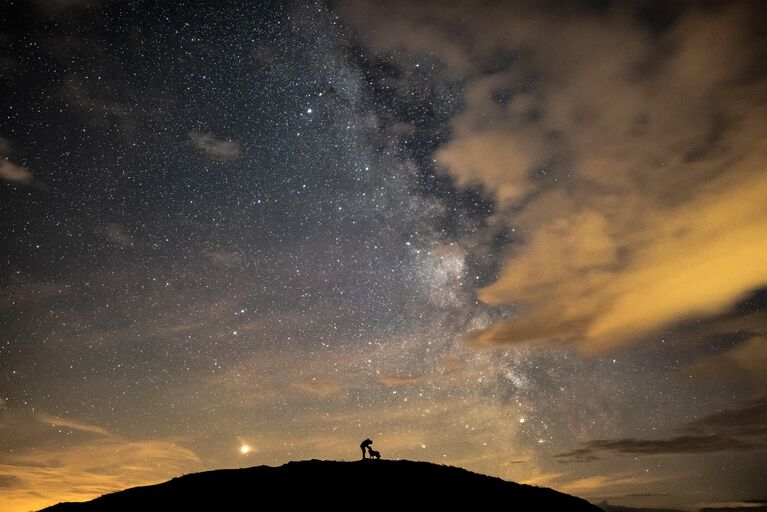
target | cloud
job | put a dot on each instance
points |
(13, 173)
(321, 387)
(600, 482)
(629, 161)
(22, 291)
(543, 480)
(9, 481)
(758, 505)
(734, 506)
(579, 455)
(747, 359)
(71, 424)
(78, 468)
(450, 368)
(223, 257)
(382, 27)
(740, 429)
(496, 155)
(219, 149)
(118, 234)
(9, 171)
(391, 379)
(749, 420)
(617, 508)
(677, 444)
(90, 470)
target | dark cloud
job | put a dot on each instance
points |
(617, 508)
(742, 506)
(748, 420)
(580, 455)
(678, 444)
(739, 429)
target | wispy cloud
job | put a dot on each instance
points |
(9, 171)
(740, 429)
(71, 424)
(392, 379)
(83, 467)
(223, 257)
(322, 387)
(214, 147)
(116, 233)
(745, 360)
(594, 483)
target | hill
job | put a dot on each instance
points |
(341, 485)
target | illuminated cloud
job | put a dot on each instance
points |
(588, 485)
(633, 171)
(490, 146)
(71, 424)
(9, 171)
(67, 468)
(13, 173)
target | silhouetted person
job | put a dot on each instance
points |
(374, 454)
(365, 445)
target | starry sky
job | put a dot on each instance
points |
(525, 238)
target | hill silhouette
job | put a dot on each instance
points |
(341, 485)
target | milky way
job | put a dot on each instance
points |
(525, 239)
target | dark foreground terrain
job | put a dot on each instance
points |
(399, 484)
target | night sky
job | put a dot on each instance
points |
(527, 239)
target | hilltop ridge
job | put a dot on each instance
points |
(344, 485)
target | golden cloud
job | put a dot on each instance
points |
(632, 164)
(87, 468)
